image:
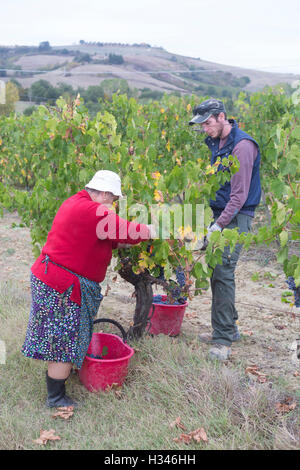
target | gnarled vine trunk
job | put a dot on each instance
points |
(144, 295)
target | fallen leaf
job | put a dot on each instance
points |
(286, 405)
(199, 435)
(247, 333)
(262, 378)
(191, 315)
(186, 438)
(178, 424)
(115, 388)
(254, 370)
(46, 436)
(64, 412)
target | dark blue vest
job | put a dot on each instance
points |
(223, 194)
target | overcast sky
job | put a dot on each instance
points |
(262, 34)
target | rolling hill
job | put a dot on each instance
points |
(142, 66)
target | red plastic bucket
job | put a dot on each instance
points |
(98, 374)
(166, 319)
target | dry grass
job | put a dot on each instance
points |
(168, 378)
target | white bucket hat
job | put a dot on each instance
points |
(105, 180)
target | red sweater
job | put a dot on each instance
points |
(73, 242)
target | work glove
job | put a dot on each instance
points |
(213, 228)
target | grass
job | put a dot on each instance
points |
(168, 378)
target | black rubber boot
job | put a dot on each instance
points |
(57, 393)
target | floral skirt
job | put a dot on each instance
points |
(55, 329)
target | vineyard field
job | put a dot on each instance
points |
(249, 402)
(268, 325)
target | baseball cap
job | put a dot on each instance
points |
(206, 109)
(105, 180)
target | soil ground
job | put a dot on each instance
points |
(268, 326)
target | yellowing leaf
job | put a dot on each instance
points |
(158, 196)
(156, 175)
(284, 237)
(186, 233)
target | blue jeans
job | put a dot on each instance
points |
(223, 311)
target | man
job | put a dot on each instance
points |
(233, 206)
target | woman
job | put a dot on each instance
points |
(65, 279)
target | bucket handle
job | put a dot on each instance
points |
(114, 322)
(149, 324)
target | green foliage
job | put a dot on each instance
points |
(52, 153)
(42, 90)
(115, 59)
(11, 96)
(44, 46)
(81, 57)
(272, 117)
(148, 94)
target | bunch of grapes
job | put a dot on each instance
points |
(159, 299)
(94, 356)
(174, 289)
(292, 286)
(180, 276)
(161, 276)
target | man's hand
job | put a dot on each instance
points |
(215, 227)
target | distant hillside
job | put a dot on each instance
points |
(142, 66)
